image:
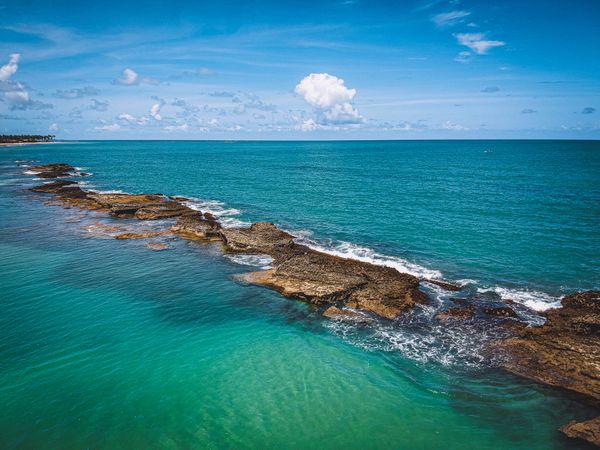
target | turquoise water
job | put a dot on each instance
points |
(106, 344)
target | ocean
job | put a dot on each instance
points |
(107, 344)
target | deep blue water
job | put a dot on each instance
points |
(106, 344)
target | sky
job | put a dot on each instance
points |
(333, 69)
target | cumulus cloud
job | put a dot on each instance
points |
(477, 42)
(76, 93)
(588, 110)
(10, 68)
(330, 98)
(15, 93)
(449, 18)
(130, 77)
(490, 89)
(155, 109)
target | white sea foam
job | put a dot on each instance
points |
(535, 300)
(30, 172)
(114, 191)
(261, 261)
(365, 254)
(422, 338)
(227, 216)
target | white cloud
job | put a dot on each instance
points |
(453, 126)
(330, 98)
(155, 111)
(53, 127)
(127, 117)
(183, 127)
(129, 77)
(109, 127)
(449, 18)
(308, 125)
(477, 42)
(10, 68)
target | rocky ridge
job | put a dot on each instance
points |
(564, 352)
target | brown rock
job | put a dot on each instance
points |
(588, 431)
(53, 187)
(146, 235)
(500, 311)
(58, 170)
(298, 272)
(161, 211)
(210, 217)
(321, 278)
(142, 206)
(565, 351)
(195, 227)
(261, 237)
(445, 285)
(466, 313)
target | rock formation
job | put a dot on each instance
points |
(564, 352)
(588, 431)
(298, 271)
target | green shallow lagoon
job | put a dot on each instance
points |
(106, 344)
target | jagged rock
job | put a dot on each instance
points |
(298, 271)
(58, 170)
(317, 277)
(53, 187)
(565, 351)
(335, 313)
(261, 237)
(72, 192)
(500, 311)
(210, 217)
(445, 285)
(466, 313)
(146, 235)
(142, 206)
(588, 431)
(161, 211)
(195, 227)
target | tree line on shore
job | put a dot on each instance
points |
(17, 138)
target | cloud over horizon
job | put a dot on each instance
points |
(330, 99)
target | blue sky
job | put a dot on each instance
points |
(348, 69)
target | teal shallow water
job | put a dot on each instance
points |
(105, 344)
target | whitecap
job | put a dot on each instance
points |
(352, 251)
(532, 299)
(226, 216)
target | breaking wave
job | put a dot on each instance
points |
(535, 300)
